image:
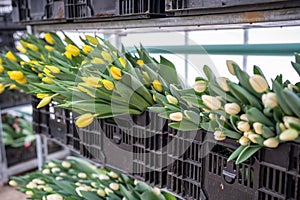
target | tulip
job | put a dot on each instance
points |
(53, 69)
(200, 86)
(156, 191)
(271, 142)
(1, 62)
(55, 170)
(229, 64)
(244, 141)
(11, 86)
(94, 184)
(92, 39)
(48, 73)
(49, 39)
(258, 83)
(289, 135)
(11, 56)
(157, 85)
(84, 120)
(232, 108)
(289, 119)
(108, 84)
(113, 175)
(255, 138)
(103, 177)
(123, 62)
(244, 117)
(66, 164)
(2, 88)
(219, 135)
(101, 193)
(292, 87)
(54, 197)
(211, 116)
(68, 55)
(72, 49)
(106, 56)
(13, 183)
(222, 82)
(38, 181)
(15, 75)
(31, 185)
(32, 47)
(58, 178)
(21, 49)
(146, 77)
(81, 175)
(116, 73)
(107, 191)
(269, 100)
(223, 118)
(92, 81)
(86, 49)
(22, 81)
(177, 116)
(135, 182)
(62, 174)
(1, 68)
(47, 80)
(172, 100)
(154, 97)
(140, 62)
(49, 48)
(46, 171)
(211, 102)
(243, 126)
(114, 186)
(97, 61)
(45, 101)
(80, 188)
(282, 127)
(29, 193)
(257, 127)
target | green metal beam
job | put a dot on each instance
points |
(285, 49)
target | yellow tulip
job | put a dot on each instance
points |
(21, 49)
(86, 49)
(92, 81)
(211, 102)
(85, 90)
(154, 97)
(258, 83)
(13, 87)
(1, 68)
(41, 95)
(11, 56)
(13, 183)
(271, 142)
(48, 73)
(92, 39)
(53, 69)
(140, 62)
(47, 80)
(24, 44)
(15, 75)
(258, 127)
(49, 39)
(84, 120)
(42, 57)
(49, 48)
(40, 75)
(97, 61)
(157, 85)
(106, 56)
(123, 62)
(2, 88)
(146, 77)
(73, 50)
(289, 135)
(1, 62)
(32, 47)
(22, 81)
(45, 101)
(68, 55)
(116, 73)
(108, 84)
(172, 100)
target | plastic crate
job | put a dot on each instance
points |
(11, 98)
(131, 7)
(78, 9)
(196, 7)
(185, 167)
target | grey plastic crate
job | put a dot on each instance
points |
(133, 7)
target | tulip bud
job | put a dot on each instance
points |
(46, 171)
(45, 101)
(101, 193)
(271, 142)
(47, 80)
(255, 138)
(108, 84)
(31, 185)
(136, 181)
(55, 169)
(177, 116)
(11, 56)
(84, 120)
(211, 116)
(172, 100)
(244, 117)
(107, 191)
(103, 177)
(247, 133)
(269, 100)
(21, 49)
(258, 83)
(66, 164)
(116, 73)
(289, 135)
(219, 135)
(79, 189)
(222, 82)
(13, 183)
(33, 47)
(73, 50)
(81, 175)
(199, 86)
(113, 175)
(86, 49)
(292, 87)
(157, 86)
(211, 102)
(123, 62)
(49, 39)
(232, 108)
(140, 62)
(106, 56)
(92, 39)
(41, 96)
(114, 186)
(29, 193)
(2, 88)
(223, 118)
(1, 68)
(156, 191)
(288, 119)
(282, 127)
(230, 67)
(244, 140)
(257, 128)
(243, 126)
(58, 178)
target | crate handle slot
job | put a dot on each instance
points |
(117, 139)
(229, 177)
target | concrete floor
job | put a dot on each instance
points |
(9, 193)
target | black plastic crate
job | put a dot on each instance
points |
(184, 173)
(10, 98)
(131, 7)
(196, 7)
(79, 9)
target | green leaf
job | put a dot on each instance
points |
(236, 153)
(89, 195)
(167, 71)
(168, 196)
(247, 153)
(149, 195)
(184, 125)
(126, 193)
